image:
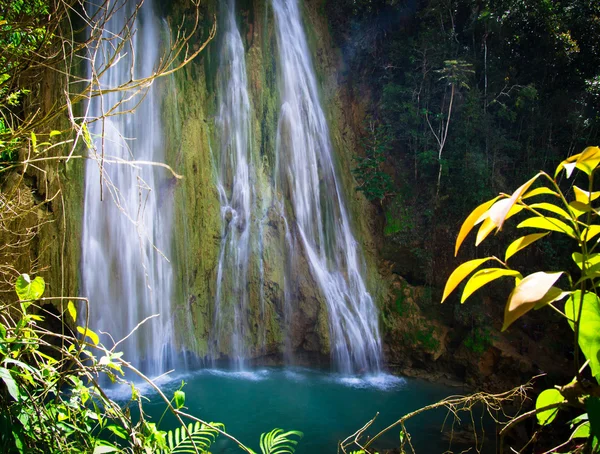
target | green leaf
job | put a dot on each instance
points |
(582, 431)
(11, 384)
(592, 260)
(589, 326)
(89, 333)
(470, 222)
(483, 277)
(54, 133)
(547, 223)
(526, 294)
(548, 397)
(522, 243)
(72, 311)
(33, 142)
(28, 290)
(460, 273)
(179, 399)
(279, 442)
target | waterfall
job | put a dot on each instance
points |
(230, 325)
(306, 177)
(127, 235)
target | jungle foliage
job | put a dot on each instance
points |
(471, 94)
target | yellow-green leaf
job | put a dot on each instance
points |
(548, 397)
(470, 222)
(483, 277)
(72, 311)
(460, 273)
(489, 224)
(590, 232)
(568, 164)
(589, 326)
(486, 228)
(540, 191)
(554, 294)
(584, 196)
(522, 243)
(592, 260)
(548, 223)
(526, 294)
(582, 430)
(589, 160)
(579, 208)
(499, 212)
(89, 333)
(33, 142)
(552, 208)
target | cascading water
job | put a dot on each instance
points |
(306, 177)
(124, 272)
(230, 327)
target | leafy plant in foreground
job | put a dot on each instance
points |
(551, 211)
(51, 399)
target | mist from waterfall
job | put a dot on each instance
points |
(127, 236)
(230, 325)
(318, 220)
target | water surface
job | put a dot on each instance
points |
(327, 407)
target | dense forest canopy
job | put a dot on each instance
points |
(477, 93)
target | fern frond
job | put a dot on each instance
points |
(279, 442)
(203, 436)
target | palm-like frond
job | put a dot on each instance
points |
(279, 442)
(201, 435)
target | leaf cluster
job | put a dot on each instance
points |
(52, 399)
(574, 214)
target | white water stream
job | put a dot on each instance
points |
(230, 324)
(124, 273)
(306, 177)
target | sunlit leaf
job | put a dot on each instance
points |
(588, 160)
(29, 290)
(179, 398)
(540, 191)
(590, 232)
(552, 208)
(11, 384)
(526, 294)
(552, 224)
(582, 431)
(546, 398)
(72, 311)
(554, 294)
(460, 273)
(499, 212)
(585, 196)
(568, 164)
(486, 228)
(484, 277)
(89, 333)
(579, 208)
(589, 326)
(592, 260)
(470, 222)
(522, 243)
